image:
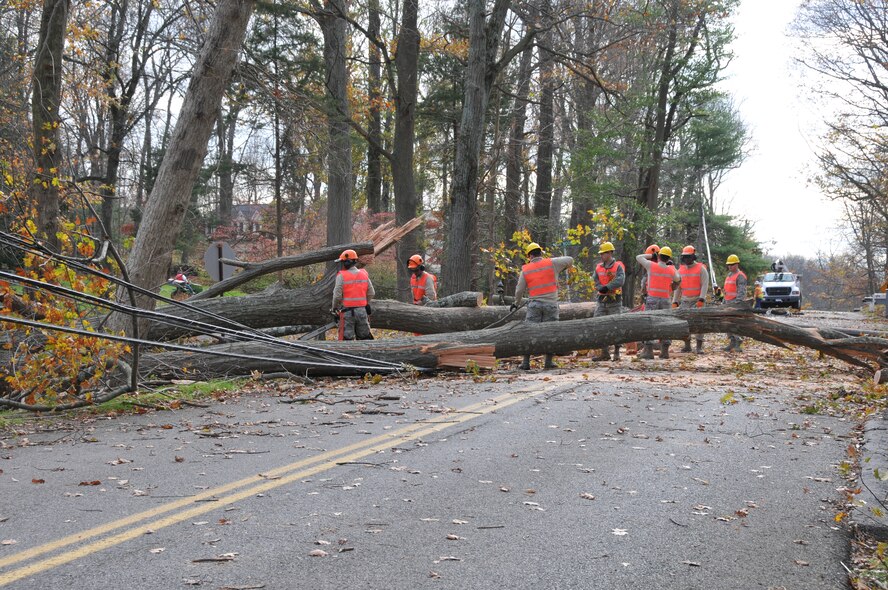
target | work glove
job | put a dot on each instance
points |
(512, 308)
(674, 304)
(368, 309)
(603, 290)
(700, 302)
(335, 313)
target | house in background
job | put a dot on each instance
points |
(246, 221)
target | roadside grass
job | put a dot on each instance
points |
(869, 566)
(172, 397)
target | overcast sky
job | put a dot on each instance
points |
(771, 188)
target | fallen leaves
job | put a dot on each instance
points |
(620, 532)
(587, 496)
(38, 481)
(8, 542)
(318, 553)
(94, 482)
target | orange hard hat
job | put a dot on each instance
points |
(688, 251)
(348, 255)
(414, 261)
(652, 249)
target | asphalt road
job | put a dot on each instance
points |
(571, 479)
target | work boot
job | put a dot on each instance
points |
(549, 363)
(664, 351)
(616, 353)
(687, 346)
(699, 347)
(525, 366)
(647, 352)
(603, 355)
(729, 347)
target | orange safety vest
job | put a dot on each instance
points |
(354, 288)
(731, 285)
(606, 275)
(660, 279)
(418, 284)
(691, 279)
(540, 277)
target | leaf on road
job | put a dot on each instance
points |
(504, 489)
(119, 461)
(322, 542)
(620, 532)
(587, 496)
(452, 537)
(802, 563)
(457, 521)
(157, 550)
(250, 587)
(8, 542)
(691, 563)
(38, 481)
(178, 459)
(801, 542)
(318, 553)
(742, 513)
(94, 482)
(447, 558)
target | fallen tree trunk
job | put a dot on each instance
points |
(282, 307)
(482, 347)
(253, 271)
(462, 299)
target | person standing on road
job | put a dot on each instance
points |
(352, 293)
(735, 290)
(662, 278)
(539, 279)
(653, 250)
(424, 285)
(694, 286)
(610, 274)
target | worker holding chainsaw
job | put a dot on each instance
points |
(539, 279)
(693, 290)
(610, 274)
(352, 293)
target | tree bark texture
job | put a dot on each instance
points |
(542, 198)
(406, 203)
(515, 149)
(484, 37)
(374, 155)
(45, 100)
(168, 202)
(339, 168)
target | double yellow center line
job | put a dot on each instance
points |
(192, 506)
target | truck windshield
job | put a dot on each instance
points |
(779, 277)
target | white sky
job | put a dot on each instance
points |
(771, 188)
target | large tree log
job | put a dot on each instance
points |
(483, 346)
(462, 299)
(253, 271)
(282, 307)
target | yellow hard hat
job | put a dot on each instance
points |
(733, 259)
(531, 247)
(606, 247)
(666, 251)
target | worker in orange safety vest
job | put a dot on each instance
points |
(610, 274)
(539, 280)
(694, 287)
(663, 277)
(423, 285)
(735, 290)
(352, 293)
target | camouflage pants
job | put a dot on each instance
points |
(608, 306)
(357, 324)
(690, 304)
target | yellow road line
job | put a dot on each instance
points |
(225, 488)
(326, 460)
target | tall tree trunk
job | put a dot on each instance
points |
(225, 130)
(406, 64)
(374, 156)
(46, 96)
(339, 169)
(484, 37)
(151, 255)
(542, 200)
(515, 149)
